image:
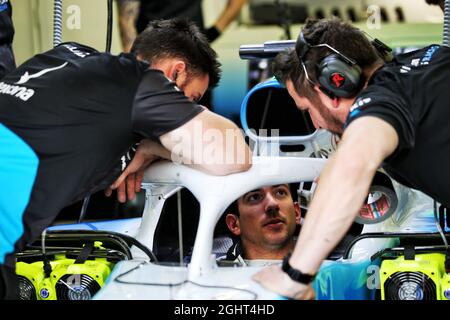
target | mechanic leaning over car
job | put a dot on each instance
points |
(7, 62)
(390, 114)
(68, 115)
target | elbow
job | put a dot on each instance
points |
(247, 165)
(241, 167)
(230, 169)
(244, 162)
(225, 170)
(241, 163)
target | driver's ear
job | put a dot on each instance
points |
(232, 222)
(298, 213)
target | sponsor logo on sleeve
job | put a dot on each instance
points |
(76, 51)
(426, 58)
(355, 108)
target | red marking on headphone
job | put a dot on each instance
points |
(338, 79)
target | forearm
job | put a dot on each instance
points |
(232, 161)
(151, 149)
(340, 194)
(229, 14)
(128, 14)
(230, 157)
(342, 189)
(210, 143)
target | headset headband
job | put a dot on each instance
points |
(302, 47)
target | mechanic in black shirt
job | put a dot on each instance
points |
(395, 116)
(134, 15)
(68, 115)
(7, 62)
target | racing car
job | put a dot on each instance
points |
(397, 248)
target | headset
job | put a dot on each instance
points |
(338, 75)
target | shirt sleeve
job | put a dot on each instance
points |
(381, 102)
(160, 107)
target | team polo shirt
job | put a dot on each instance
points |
(412, 94)
(80, 110)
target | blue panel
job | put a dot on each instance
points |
(342, 280)
(18, 168)
(120, 225)
(227, 97)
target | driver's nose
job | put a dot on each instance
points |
(271, 206)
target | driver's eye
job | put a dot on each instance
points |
(281, 192)
(252, 198)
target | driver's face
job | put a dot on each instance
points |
(268, 216)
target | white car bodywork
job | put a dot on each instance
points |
(202, 278)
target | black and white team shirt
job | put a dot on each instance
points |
(80, 110)
(412, 94)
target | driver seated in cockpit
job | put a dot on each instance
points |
(264, 224)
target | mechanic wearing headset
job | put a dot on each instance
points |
(264, 222)
(7, 62)
(390, 114)
(68, 115)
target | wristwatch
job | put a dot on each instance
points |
(296, 274)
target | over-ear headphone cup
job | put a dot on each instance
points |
(339, 77)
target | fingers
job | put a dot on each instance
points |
(131, 186)
(108, 192)
(133, 167)
(274, 279)
(121, 195)
(128, 188)
(310, 294)
(139, 178)
(119, 180)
